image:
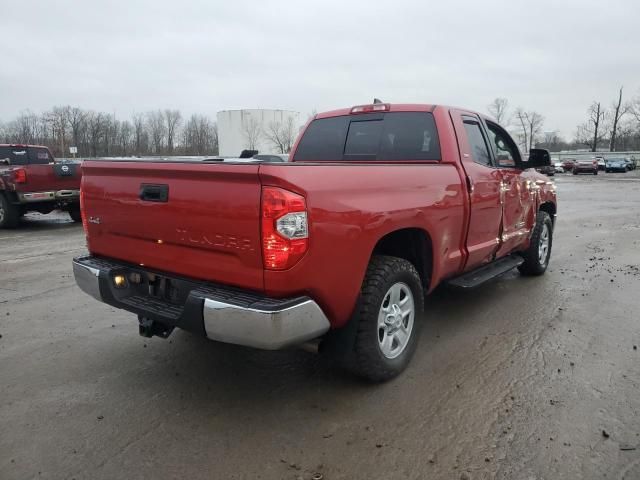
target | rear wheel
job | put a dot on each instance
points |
(389, 310)
(536, 257)
(9, 214)
(595, 172)
(74, 213)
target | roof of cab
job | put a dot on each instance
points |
(400, 107)
(21, 145)
(393, 107)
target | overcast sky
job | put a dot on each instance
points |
(554, 57)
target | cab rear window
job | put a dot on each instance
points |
(25, 155)
(393, 136)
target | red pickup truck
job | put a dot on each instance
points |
(30, 180)
(336, 248)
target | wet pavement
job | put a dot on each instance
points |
(522, 378)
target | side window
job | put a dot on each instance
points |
(39, 156)
(479, 149)
(323, 140)
(505, 149)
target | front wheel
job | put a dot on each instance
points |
(389, 309)
(595, 173)
(536, 257)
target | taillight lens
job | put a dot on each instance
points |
(20, 175)
(285, 229)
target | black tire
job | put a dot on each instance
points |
(368, 360)
(575, 173)
(606, 171)
(74, 213)
(9, 214)
(533, 265)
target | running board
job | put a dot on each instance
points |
(491, 270)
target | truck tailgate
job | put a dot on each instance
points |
(50, 177)
(207, 227)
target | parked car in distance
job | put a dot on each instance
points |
(558, 167)
(30, 180)
(616, 165)
(631, 164)
(588, 165)
(336, 248)
(548, 170)
(601, 163)
(568, 164)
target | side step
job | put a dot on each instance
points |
(486, 272)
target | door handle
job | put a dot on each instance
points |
(154, 193)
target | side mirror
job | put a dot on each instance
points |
(538, 157)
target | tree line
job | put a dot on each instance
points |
(158, 132)
(606, 128)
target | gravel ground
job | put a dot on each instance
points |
(522, 378)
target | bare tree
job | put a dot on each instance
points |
(58, 119)
(499, 110)
(95, 131)
(592, 131)
(173, 118)
(125, 136)
(282, 135)
(157, 130)
(619, 110)
(252, 132)
(530, 123)
(200, 136)
(139, 133)
(77, 123)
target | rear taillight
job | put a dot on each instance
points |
(285, 229)
(20, 175)
(82, 214)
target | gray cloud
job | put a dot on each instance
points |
(554, 57)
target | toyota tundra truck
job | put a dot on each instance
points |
(30, 180)
(335, 249)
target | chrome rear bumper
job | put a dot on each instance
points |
(223, 314)
(48, 196)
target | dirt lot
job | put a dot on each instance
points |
(523, 378)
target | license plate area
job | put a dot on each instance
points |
(127, 283)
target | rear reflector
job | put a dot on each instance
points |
(375, 107)
(82, 214)
(285, 231)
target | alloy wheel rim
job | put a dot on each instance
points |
(396, 318)
(543, 245)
